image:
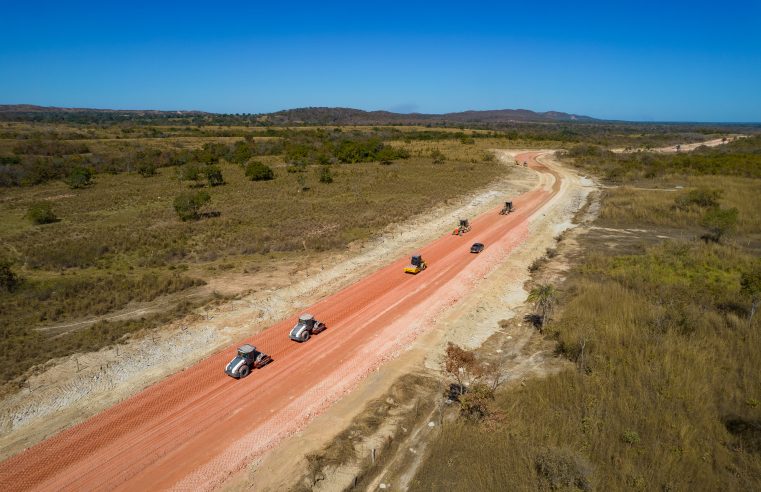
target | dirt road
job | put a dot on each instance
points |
(673, 149)
(195, 428)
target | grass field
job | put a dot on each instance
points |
(120, 240)
(665, 394)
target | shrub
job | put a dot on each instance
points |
(437, 156)
(719, 222)
(562, 469)
(630, 437)
(188, 205)
(80, 177)
(701, 197)
(191, 172)
(146, 169)
(42, 213)
(9, 281)
(259, 171)
(325, 175)
(214, 176)
(296, 168)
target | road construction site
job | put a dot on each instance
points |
(196, 428)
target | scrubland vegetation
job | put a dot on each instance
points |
(156, 216)
(665, 393)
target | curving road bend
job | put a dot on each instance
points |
(195, 428)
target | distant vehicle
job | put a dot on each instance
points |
(306, 327)
(477, 248)
(462, 228)
(417, 265)
(247, 358)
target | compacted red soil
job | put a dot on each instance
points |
(195, 428)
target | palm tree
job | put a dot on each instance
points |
(544, 297)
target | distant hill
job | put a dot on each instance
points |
(299, 116)
(348, 116)
(31, 108)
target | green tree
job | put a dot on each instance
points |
(188, 204)
(544, 298)
(9, 281)
(750, 287)
(80, 177)
(259, 171)
(214, 176)
(325, 175)
(719, 222)
(42, 213)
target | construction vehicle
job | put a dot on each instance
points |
(462, 228)
(247, 359)
(507, 208)
(306, 327)
(417, 265)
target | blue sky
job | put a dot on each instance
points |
(662, 61)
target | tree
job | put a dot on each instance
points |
(544, 298)
(214, 175)
(476, 382)
(188, 204)
(80, 177)
(719, 222)
(459, 363)
(325, 175)
(259, 171)
(42, 213)
(750, 287)
(9, 281)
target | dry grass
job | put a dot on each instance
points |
(666, 393)
(120, 240)
(639, 208)
(668, 360)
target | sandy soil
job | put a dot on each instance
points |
(195, 428)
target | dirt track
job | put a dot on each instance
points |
(195, 428)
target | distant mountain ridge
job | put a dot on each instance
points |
(31, 108)
(327, 116)
(320, 115)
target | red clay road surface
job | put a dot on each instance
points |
(195, 428)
